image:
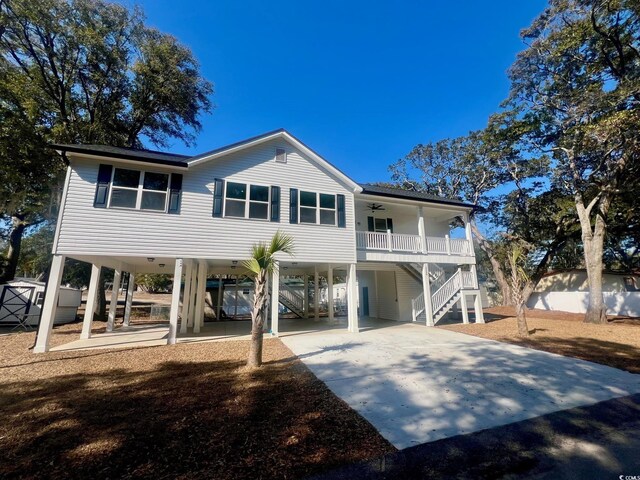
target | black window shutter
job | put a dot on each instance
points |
(342, 215)
(175, 193)
(218, 195)
(390, 224)
(293, 205)
(275, 204)
(370, 225)
(102, 188)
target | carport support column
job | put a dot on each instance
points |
(463, 307)
(130, 290)
(275, 295)
(352, 299)
(175, 302)
(186, 297)
(198, 313)
(191, 314)
(306, 296)
(477, 307)
(330, 292)
(316, 293)
(219, 304)
(113, 306)
(48, 314)
(426, 291)
(90, 307)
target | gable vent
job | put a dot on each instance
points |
(281, 155)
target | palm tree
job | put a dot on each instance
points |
(260, 265)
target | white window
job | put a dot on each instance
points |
(247, 201)
(319, 208)
(139, 190)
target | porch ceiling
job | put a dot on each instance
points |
(215, 266)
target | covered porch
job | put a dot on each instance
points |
(192, 306)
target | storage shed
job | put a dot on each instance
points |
(25, 296)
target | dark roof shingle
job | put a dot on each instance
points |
(148, 156)
(368, 189)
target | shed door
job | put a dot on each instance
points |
(15, 301)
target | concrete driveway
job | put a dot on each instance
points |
(417, 384)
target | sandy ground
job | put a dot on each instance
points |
(616, 344)
(185, 411)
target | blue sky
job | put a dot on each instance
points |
(359, 82)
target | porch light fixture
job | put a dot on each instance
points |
(235, 262)
(232, 267)
(150, 259)
(161, 265)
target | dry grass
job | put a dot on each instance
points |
(616, 344)
(185, 411)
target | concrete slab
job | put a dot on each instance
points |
(417, 384)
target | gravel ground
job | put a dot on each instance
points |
(185, 411)
(616, 344)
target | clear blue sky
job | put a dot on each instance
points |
(359, 82)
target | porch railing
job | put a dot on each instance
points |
(402, 242)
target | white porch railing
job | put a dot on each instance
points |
(468, 280)
(402, 242)
(391, 242)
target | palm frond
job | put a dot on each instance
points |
(262, 255)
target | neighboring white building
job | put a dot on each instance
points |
(141, 211)
(568, 291)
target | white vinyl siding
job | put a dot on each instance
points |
(86, 230)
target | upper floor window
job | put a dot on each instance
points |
(139, 190)
(243, 200)
(319, 208)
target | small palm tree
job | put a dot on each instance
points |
(260, 265)
(519, 281)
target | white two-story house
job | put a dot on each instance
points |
(139, 211)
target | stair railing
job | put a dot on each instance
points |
(448, 289)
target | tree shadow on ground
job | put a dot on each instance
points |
(130, 416)
(586, 442)
(618, 355)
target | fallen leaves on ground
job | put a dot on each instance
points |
(181, 411)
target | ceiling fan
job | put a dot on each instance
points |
(375, 207)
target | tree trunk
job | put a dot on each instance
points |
(10, 262)
(593, 243)
(498, 272)
(523, 328)
(596, 309)
(258, 317)
(101, 307)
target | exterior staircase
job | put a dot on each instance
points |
(292, 300)
(414, 270)
(444, 297)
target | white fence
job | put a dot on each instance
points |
(618, 303)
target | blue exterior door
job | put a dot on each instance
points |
(364, 304)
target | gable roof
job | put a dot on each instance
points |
(280, 133)
(140, 155)
(368, 189)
